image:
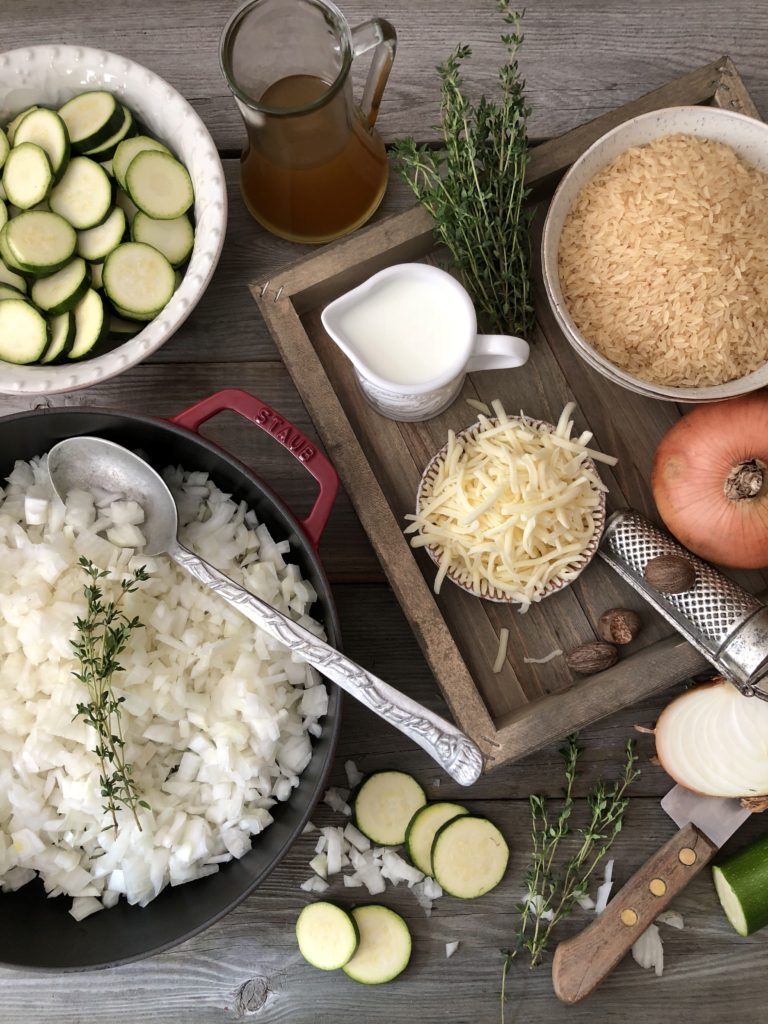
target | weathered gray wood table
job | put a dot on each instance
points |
(581, 57)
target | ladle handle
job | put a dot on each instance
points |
(446, 744)
(291, 438)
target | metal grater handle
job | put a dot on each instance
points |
(720, 619)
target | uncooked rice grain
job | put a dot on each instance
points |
(663, 262)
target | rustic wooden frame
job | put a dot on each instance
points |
(308, 285)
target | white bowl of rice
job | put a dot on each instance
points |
(655, 254)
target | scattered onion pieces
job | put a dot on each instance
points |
(714, 741)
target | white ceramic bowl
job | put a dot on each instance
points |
(50, 75)
(579, 563)
(747, 136)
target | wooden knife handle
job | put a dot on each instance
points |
(581, 963)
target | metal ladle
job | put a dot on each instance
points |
(87, 462)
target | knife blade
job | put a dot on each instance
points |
(705, 823)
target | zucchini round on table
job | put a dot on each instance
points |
(27, 175)
(97, 243)
(62, 335)
(61, 291)
(173, 238)
(327, 936)
(84, 194)
(469, 857)
(46, 129)
(138, 280)
(384, 805)
(159, 185)
(91, 118)
(23, 332)
(91, 323)
(742, 887)
(130, 148)
(385, 946)
(37, 242)
(422, 829)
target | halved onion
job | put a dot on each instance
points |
(714, 741)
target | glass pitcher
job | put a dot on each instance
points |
(313, 167)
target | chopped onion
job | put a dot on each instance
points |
(337, 800)
(604, 890)
(354, 776)
(648, 950)
(672, 918)
(450, 949)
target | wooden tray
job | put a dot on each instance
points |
(526, 705)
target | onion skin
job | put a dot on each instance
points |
(693, 476)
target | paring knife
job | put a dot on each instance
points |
(706, 823)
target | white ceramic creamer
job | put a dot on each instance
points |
(411, 334)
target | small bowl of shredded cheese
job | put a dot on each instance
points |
(511, 509)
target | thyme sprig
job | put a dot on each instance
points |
(552, 889)
(102, 637)
(474, 185)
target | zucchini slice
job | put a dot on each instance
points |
(385, 946)
(46, 129)
(3, 214)
(84, 194)
(423, 828)
(23, 332)
(37, 242)
(138, 280)
(97, 243)
(327, 936)
(11, 277)
(742, 887)
(173, 238)
(97, 275)
(27, 175)
(127, 205)
(384, 805)
(91, 118)
(62, 291)
(90, 324)
(8, 292)
(159, 185)
(5, 147)
(124, 329)
(107, 149)
(62, 335)
(130, 148)
(469, 857)
(12, 127)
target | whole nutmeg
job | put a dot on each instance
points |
(619, 625)
(593, 657)
(670, 574)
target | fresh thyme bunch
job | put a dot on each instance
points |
(474, 186)
(102, 637)
(554, 889)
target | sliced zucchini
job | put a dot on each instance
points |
(3, 214)
(127, 205)
(90, 324)
(5, 253)
(46, 129)
(125, 329)
(130, 148)
(97, 275)
(138, 280)
(27, 175)
(385, 946)
(327, 936)
(91, 118)
(742, 887)
(422, 829)
(84, 194)
(97, 243)
(107, 149)
(107, 165)
(8, 292)
(11, 277)
(385, 804)
(62, 291)
(3, 194)
(4, 147)
(37, 242)
(159, 185)
(173, 238)
(12, 126)
(469, 857)
(23, 332)
(62, 336)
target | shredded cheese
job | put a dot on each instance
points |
(501, 657)
(543, 661)
(511, 506)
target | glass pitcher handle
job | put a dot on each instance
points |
(380, 34)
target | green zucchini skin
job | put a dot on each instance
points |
(384, 804)
(741, 882)
(422, 829)
(385, 945)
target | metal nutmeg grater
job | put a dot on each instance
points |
(720, 619)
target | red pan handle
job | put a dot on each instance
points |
(290, 437)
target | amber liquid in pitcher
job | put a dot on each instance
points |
(311, 177)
